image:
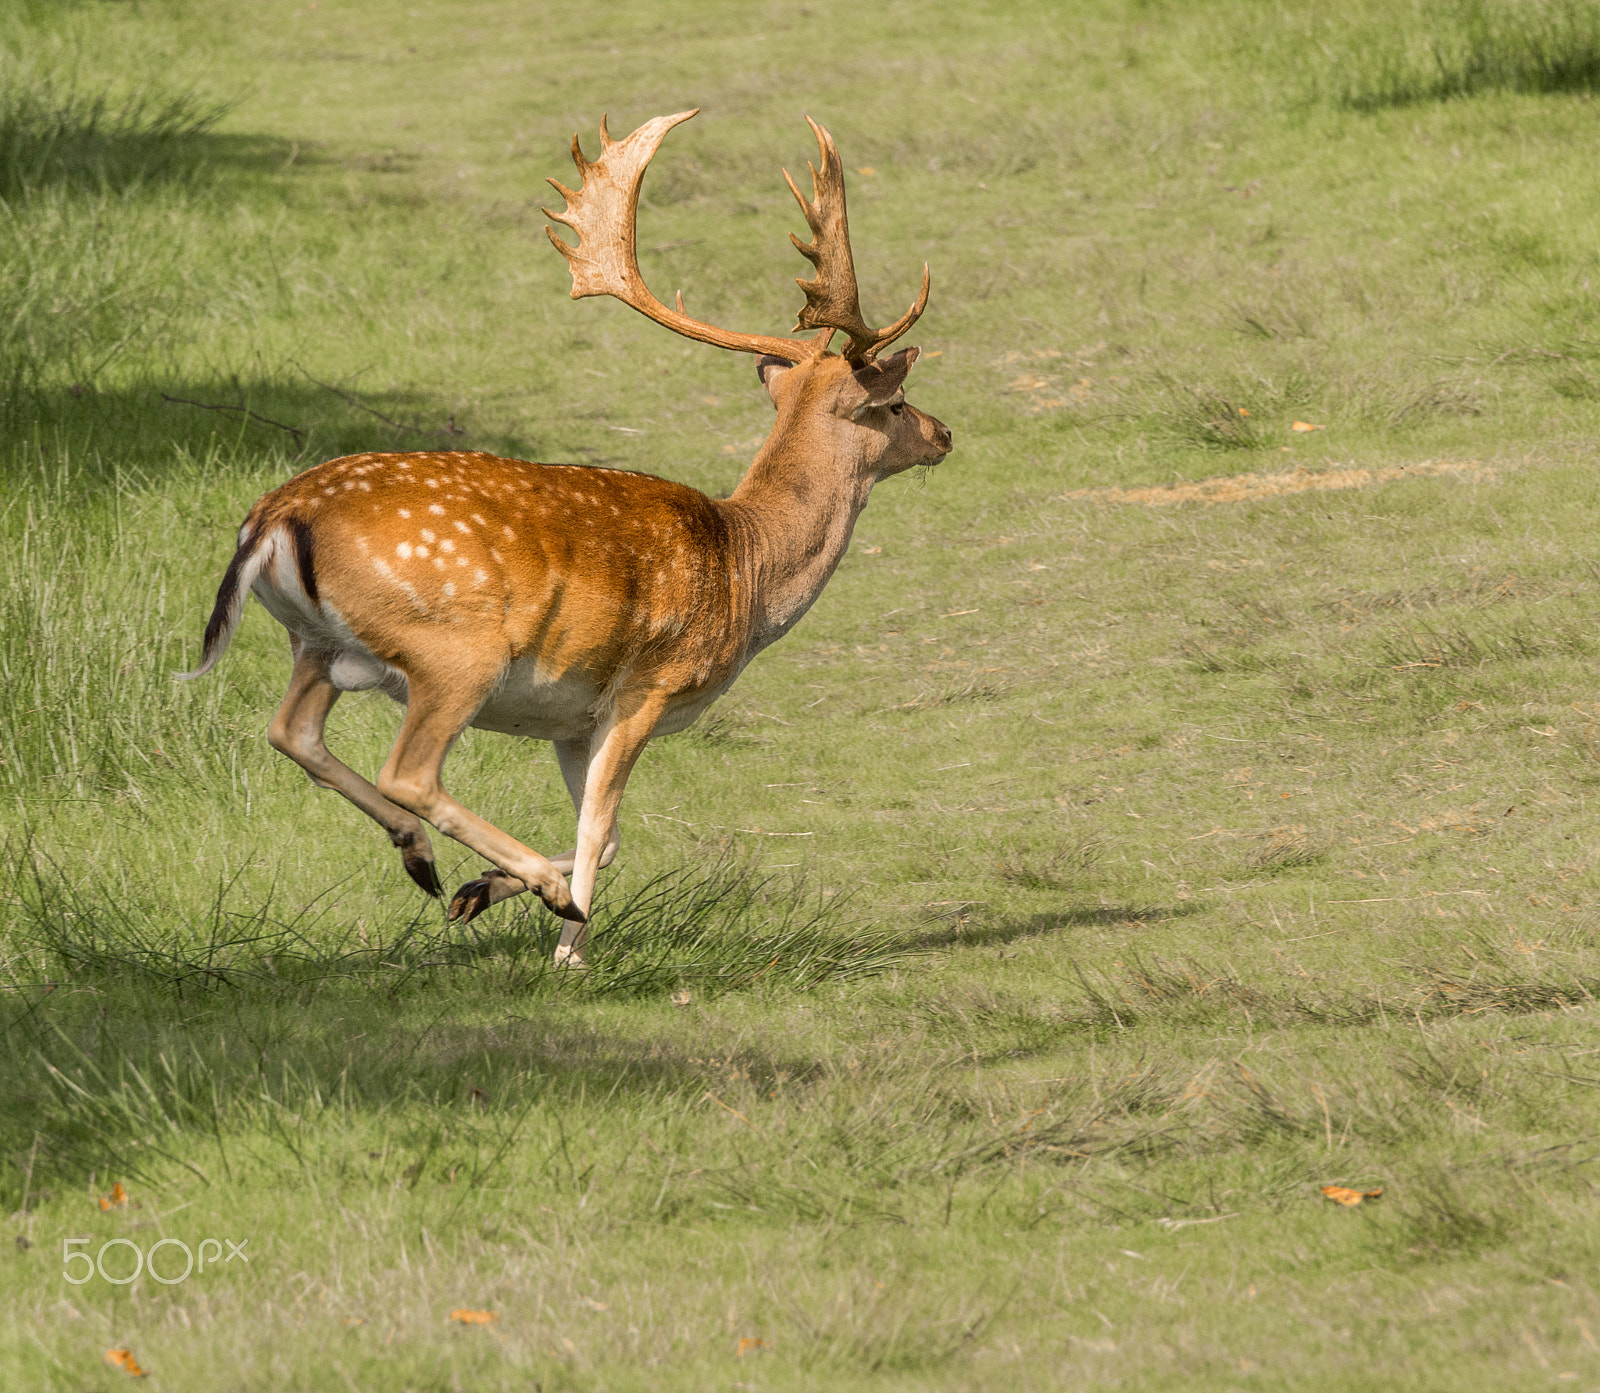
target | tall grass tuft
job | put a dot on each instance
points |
(53, 134)
(703, 930)
(729, 928)
(87, 648)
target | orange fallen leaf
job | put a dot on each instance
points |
(1305, 426)
(1350, 1198)
(116, 1199)
(1243, 412)
(473, 1317)
(123, 1358)
(748, 1345)
(866, 169)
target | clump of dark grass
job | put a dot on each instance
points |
(1286, 849)
(1462, 48)
(1204, 418)
(1063, 867)
(1428, 647)
(1439, 1218)
(970, 691)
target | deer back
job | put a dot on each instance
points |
(470, 558)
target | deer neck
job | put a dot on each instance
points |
(791, 518)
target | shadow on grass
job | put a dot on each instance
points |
(152, 428)
(1128, 916)
(121, 1022)
(55, 137)
(1471, 47)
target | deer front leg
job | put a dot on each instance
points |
(297, 731)
(616, 746)
(437, 713)
(493, 886)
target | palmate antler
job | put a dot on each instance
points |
(604, 214)
(832, 300)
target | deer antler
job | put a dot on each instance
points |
(604, 214)
(832, 300)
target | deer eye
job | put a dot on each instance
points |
(895, 408)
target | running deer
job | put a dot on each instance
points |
(589, 607)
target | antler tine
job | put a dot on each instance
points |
(604, 214)
(832, 298)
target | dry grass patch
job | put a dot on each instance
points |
(1251, 488)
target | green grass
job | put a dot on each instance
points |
(986, 987)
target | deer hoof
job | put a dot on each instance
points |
(569, 957)
(566, 907)
(421, 870)
(470, 901)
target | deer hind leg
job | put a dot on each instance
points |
(573, 756)
(297, 731)
(436, 714)
(494, 886)
(614, 749)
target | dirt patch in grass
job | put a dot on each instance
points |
(1248, 488)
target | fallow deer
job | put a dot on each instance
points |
(589, 607)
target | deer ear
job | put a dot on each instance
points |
(882, 380)
(770, 370)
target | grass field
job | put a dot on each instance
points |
(1166, 811)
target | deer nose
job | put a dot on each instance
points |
(944, 440)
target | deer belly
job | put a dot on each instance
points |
(539, 705)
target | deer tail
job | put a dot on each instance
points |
(231, 594)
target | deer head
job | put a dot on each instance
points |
(842, 412)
